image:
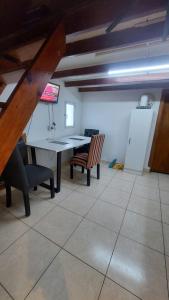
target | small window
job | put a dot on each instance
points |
(69, 115)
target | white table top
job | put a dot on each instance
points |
(52, 145)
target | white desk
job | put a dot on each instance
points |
(58, 146)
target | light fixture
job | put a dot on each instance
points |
(139, 69)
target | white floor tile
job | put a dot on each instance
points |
(70, 184)
(165, 213)
(10, 229)
(146, 192)
(4, 295)
(166, 238)
(147, 181)
(58, 225)
(125, 176)
(39, 208)
(94, 190)
(64, 192)
(145, 207)
(164, 182)
(164, 195)
(68, 279)
(163, 177)
(139, 270)
(22, 264)
(107, 215)
(122, 185)
(167, 263)
(152, 175)
(78, 202)
(113, 196)
(93, 244)
(112, 291)
(143, 230)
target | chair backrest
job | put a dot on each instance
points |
(90, 132)
(15, 173)
(95, 150)
(23, 150)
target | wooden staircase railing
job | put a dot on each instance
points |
(25, 96)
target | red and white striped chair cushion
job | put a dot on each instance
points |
(93, 158)
(80, 160)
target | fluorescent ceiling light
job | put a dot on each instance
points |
(139, 69)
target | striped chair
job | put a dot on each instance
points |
(89, 160)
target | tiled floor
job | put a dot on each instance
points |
(109, 241)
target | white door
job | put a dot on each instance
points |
(139, 132)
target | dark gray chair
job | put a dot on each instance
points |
(85, 148)
(24, 176)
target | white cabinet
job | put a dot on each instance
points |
(139, 132)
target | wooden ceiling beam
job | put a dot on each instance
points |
(105, 12)
(122, 14)
(104, 68)
(118, 80)
(124, 87)
(98, 81)
(116, 39)
(91, 14)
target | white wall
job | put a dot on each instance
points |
(37, 127)
(38, 124)
(107, 111)
(110, 113)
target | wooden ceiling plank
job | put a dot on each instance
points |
(126, 7)
(85, 18)
(116, 39)
(156, 84)
(106, 11)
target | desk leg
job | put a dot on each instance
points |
(33, 154)
(58, 172)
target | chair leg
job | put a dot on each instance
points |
(71, 171)
(88, 177)
(27, 204)
(8, 195)
(98, 171)
(52, 188)
(82, 170)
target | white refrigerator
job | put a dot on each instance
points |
(138, 138)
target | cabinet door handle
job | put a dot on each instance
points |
(129, 141)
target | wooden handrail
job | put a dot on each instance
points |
(25, 96)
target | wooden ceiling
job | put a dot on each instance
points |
(25, 23)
